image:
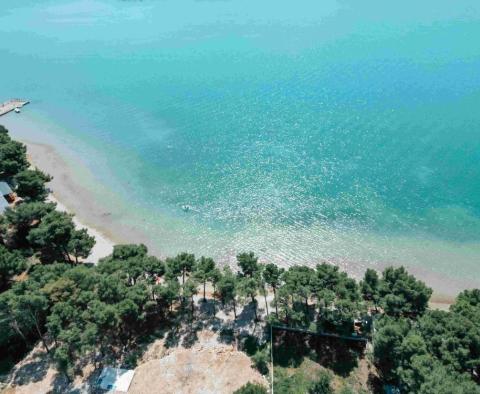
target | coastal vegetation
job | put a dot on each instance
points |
(101, 314)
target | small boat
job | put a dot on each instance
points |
(186, 208)
(17, 110)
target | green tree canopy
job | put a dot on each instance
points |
(403, 294)
(11, 263)
(23, 218)
(182, 265)
(31, 185)
(370, 286)
(189, 291)
(227, 288)
(248, 288)
(205, 268)
(80, 244)
(52, 236)
(166, 294)
(272, 276)
(425, 375)
(56, 239)
(328, 276)
(4, 137)
(387, 351)
(127, 251)
(13, 158)
(248, 264)
(453, 338)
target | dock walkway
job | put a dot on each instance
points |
(10, 105)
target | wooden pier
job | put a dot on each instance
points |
(10, 105)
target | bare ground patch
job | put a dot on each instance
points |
(206, 367)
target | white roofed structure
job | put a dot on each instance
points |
(115, 379)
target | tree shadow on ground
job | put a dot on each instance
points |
(250, 345)
(246, 318)
(173, 336)
(60, 385)
(11, 355)
(32, 371)
(226, 335)
(185, 328)
(339, 355)
(135, 353)
(289, 349)
(190, 334)
(375, 384)
(207, 307)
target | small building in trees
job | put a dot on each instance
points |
(115, 379)
(7, 192)
(362, 326)
(3, 204)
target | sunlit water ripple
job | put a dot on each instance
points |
(324, 130)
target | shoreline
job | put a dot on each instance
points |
(106, 240)
(71, 192)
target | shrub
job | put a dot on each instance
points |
(251, 388)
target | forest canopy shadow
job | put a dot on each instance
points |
(339, 355)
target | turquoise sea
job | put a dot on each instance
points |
(339, 130)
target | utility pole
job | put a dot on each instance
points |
(271, 357)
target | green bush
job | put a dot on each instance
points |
(251, 388)
(322, 385)
(260, 360)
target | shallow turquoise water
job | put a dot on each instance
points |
(305, 131)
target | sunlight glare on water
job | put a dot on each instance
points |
(305, 131)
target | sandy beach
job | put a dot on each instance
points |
(46, 159)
